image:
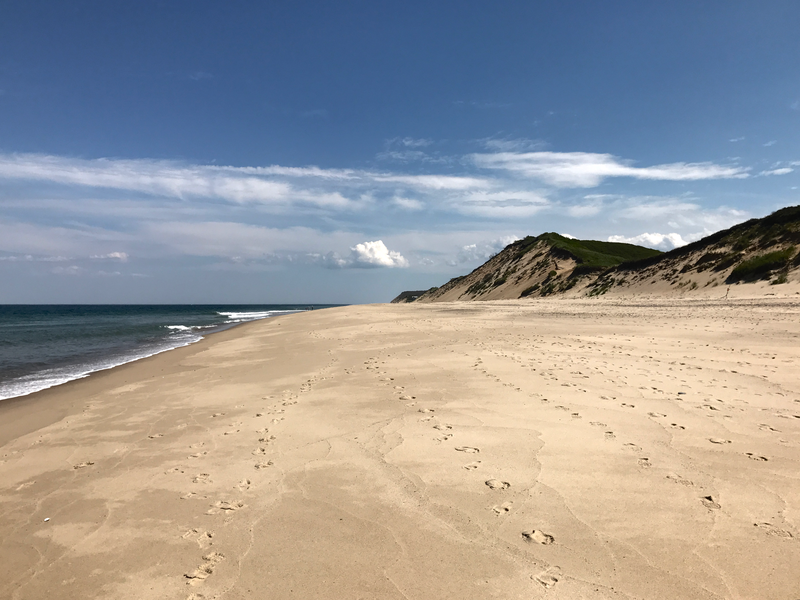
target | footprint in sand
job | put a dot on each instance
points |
(267, 440)
(263, 465)
(630, 446)
(224, 506)
(426, 410)
(676, 426)
(656, 415)
(645, 462)
(496, 484)
(202, 478)
(202, 537)
(83, 465)
(503, 508)
(752, 456)
(538, 536)
(243, 485)
(174, 470)
(770, 529)
(626, 405)
(609, 435)
(231, 432)
(472, 466)
(260, 452)
(197, 455)
(765, 427)
(548, 578)
(715, 440)
(468, 449)
(443, 438)
(560, 407)
(201, 573)
(710, 502)
(217, 415)
(155, 435)
(576, 415)
(442, 427)
(598, 424)
(678, 479)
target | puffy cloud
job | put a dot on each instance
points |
(481, 251)
(660, 241)
(365, 255)
(584, 169)
(376, 254)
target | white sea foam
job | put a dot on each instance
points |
(42, 380)
(178, 327)
(239, 317)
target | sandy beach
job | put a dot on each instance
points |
(595, 448)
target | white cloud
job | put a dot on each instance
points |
(502, 204)
(660, 241)
(778, 171)
(407, 203)
(434, 182)
(481, 251)
(365, 255)
(120, 256)
(512, 145)
(588, 209)
(738, 139)
(410, 142)
(583, 169)
(770, 143)
(71, 270)
(376, 254)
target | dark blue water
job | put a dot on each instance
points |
(43, 346)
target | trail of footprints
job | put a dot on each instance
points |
(229, 507)
(550, 576)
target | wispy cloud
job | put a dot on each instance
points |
(512, 144)
(129, 212)
(770, 143)
(583, 169)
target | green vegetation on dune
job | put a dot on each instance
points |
(591, 255)
(761, 267)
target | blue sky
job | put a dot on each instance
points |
(345, 151)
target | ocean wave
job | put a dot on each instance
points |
(178, 327)
(47, 378)
(238, 317)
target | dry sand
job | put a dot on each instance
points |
(565, 449)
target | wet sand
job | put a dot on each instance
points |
(604, 448)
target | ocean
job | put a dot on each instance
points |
(45, 345)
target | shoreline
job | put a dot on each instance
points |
(14, 411)
(594, 448)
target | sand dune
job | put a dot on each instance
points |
(605, 448)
